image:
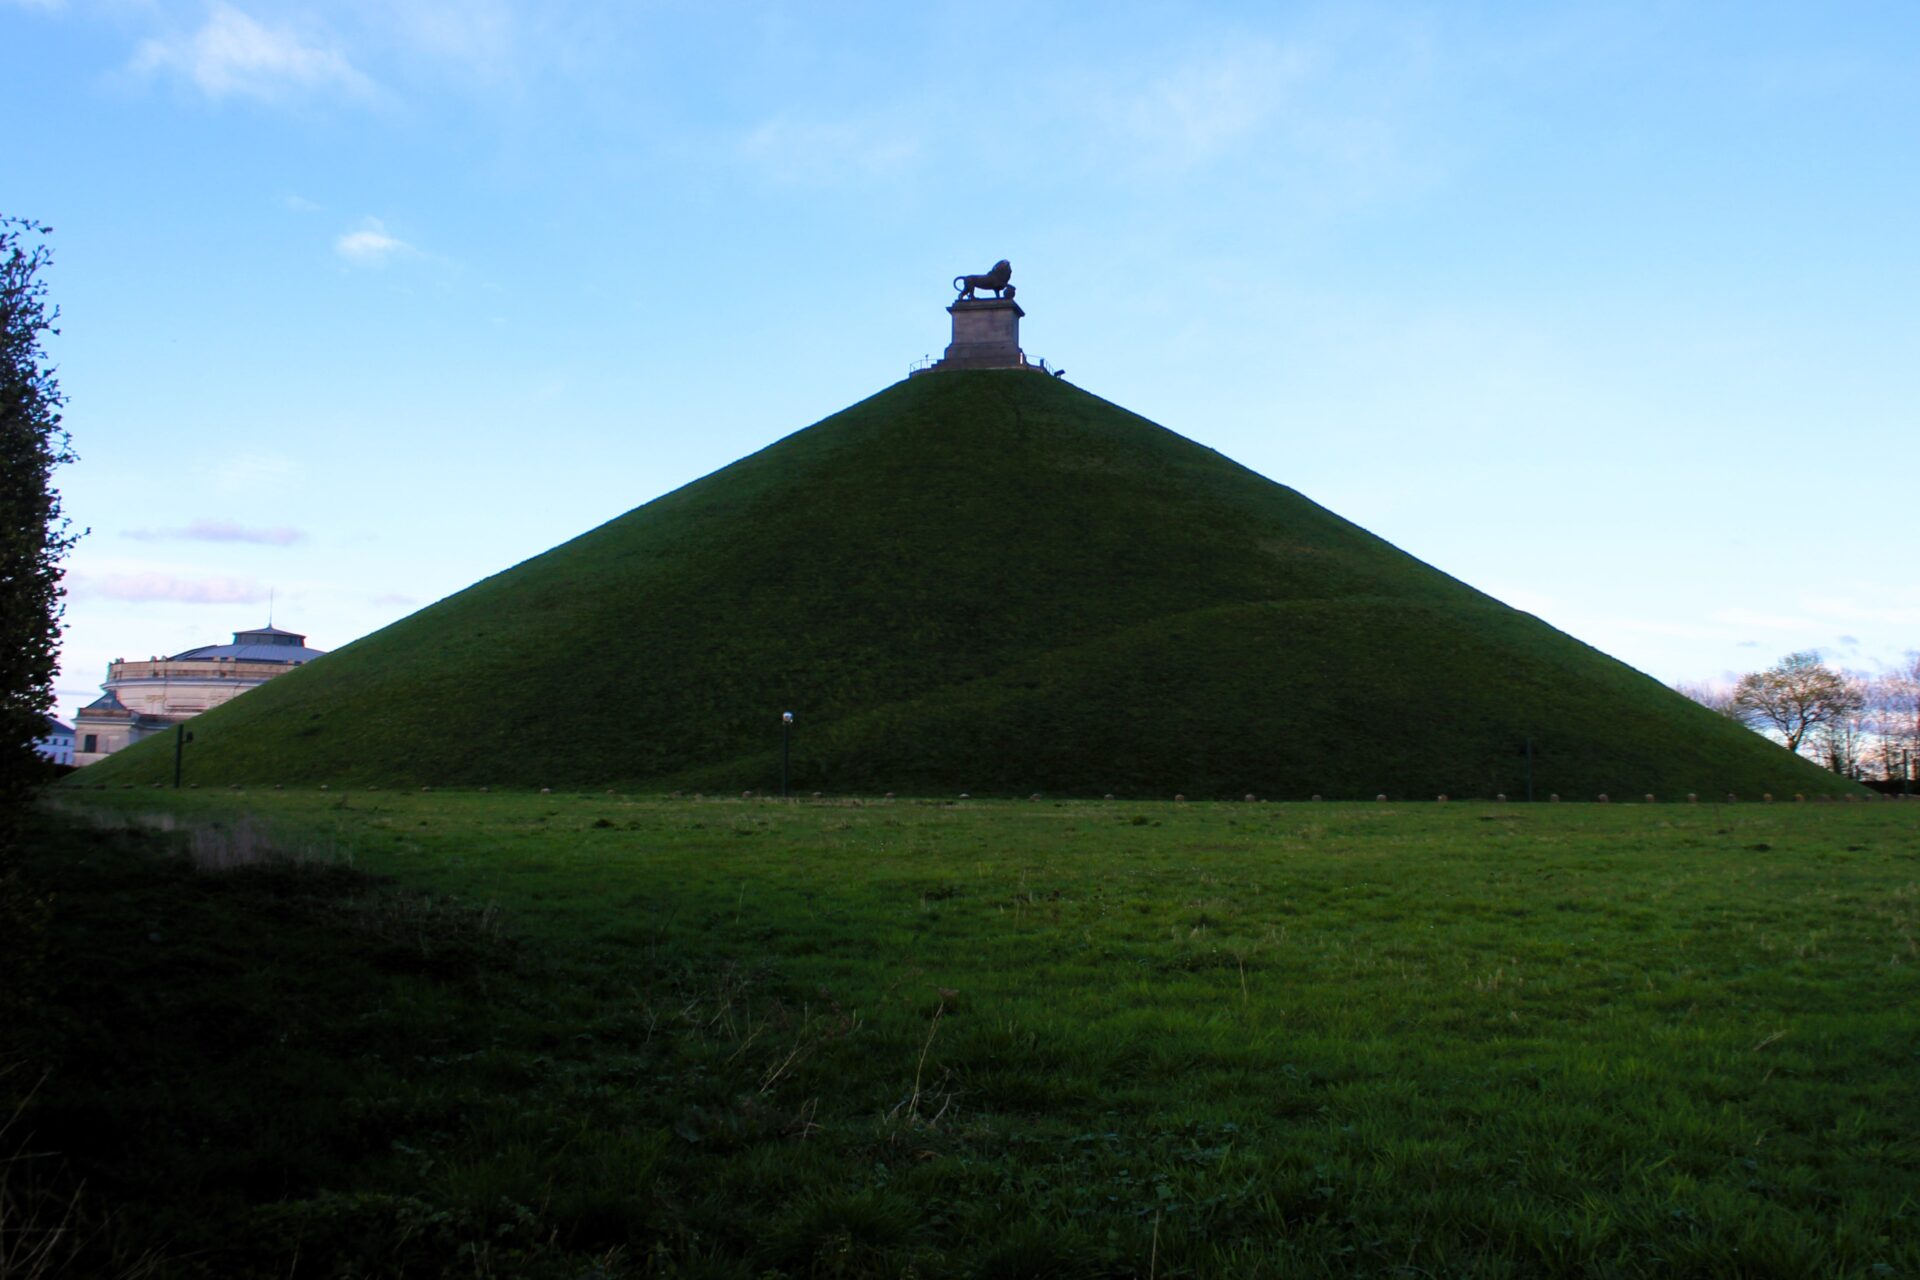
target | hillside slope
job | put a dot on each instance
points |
(985, 580)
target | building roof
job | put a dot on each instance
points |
(261, 644)
(55, 725)
(109, 707)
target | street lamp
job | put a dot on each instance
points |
(786, 748)
(180, 740)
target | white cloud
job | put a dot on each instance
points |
(1194, 112)
(232, 55)
(827, 152)
(479, 35)
(371, 246)
(1763, 621)
(1335, 113)
(1895, 605)
(300, 204)
(222, 531)
(144, 588)
(1664, 627)
(254, 473)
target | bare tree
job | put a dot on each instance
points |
(1711, 696)
(1893, 702)
(1846, 740)
(1797, 694)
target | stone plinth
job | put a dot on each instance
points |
(986, 335)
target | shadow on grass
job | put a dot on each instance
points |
(199, 1034)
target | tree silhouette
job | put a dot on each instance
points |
(33, 532)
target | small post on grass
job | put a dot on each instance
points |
(180, 739)
(786, 749)
(1906, 773)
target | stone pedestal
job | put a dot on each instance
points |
(986, 335)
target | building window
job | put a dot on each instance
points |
(92, 744)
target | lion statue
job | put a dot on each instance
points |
(995, 280)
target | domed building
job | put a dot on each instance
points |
(145, 698)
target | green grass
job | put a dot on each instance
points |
(581, 1033)
(979, 581)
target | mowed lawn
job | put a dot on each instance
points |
(589, 1034)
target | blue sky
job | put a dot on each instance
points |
(1608, 309)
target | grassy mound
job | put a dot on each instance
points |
(978, 580)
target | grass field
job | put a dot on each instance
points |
(587, 1034)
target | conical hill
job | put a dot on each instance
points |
(983, 581)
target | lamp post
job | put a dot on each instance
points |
(786, 748)
(180, 740)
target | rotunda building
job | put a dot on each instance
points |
(145, 698)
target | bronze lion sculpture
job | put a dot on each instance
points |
(995, 280)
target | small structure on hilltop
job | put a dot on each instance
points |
(145, 698)
(986, 331)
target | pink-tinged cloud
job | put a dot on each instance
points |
(143, 588)
(223, 531)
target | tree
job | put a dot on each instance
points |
(1844, 742)
(1894, 702)
(33, 532)
(1713, 697)
(1796, 694)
